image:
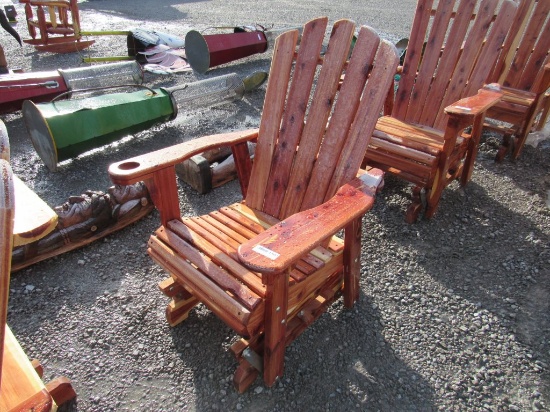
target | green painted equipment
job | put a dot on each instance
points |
(63, 129)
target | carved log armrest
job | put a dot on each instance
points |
(478, 104)
(141, 168)
(283, 244)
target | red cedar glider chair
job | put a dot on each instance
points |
(270, 265)
(431, 135)
(523, 70)
(54, 26)
(21, 386)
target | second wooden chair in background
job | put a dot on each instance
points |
(54, 26)
(523, 69)
(425, 139)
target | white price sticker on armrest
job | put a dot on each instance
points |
(262, 250)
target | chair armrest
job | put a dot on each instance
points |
(544, 84)
(143, 167)
(475, 105)
(283, 244)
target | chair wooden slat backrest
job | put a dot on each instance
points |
(452, 49)
(432, 80)
(299, 164)
(523, 69)
(526, 48)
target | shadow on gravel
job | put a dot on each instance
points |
(342, 362)
(487, 247)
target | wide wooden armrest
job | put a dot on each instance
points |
(477, 104)
(142, 167)
(544, 84)
(283, 244)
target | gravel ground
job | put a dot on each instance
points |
(454, 312)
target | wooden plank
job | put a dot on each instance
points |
(219, 257)
(319, 111)
(471, 69)
(243, 165)
(425, 145)
(20, 382)
(492, 47)
(267, 221)
(294, 115)
(7, 205)
(504, 61)
(401, 167)
(221, 227)
(430, 60)
(412, 58)
(217, 238)
(531, 53)
(281, 65)
(366, 116)
(221, 277)
(275, 326)
(239, 217)
(352, 262)
(231, 311)
(34, 219)
(401, 150)
(349, 97)
(280, 246)
(235, 225)
(538, 59)
(432, 104)
(143, 167)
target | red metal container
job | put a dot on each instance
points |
(38, 87)
(206, 51)
(44, 86)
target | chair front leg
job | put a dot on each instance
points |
(433, 194)
(472, 149)
(276, 305)
(352, 261)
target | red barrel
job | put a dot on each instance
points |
(206, 51)
(38, 87)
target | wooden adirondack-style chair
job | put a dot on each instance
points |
(58, 25)
(523, 70)
(269, 266)
(21, 387)
(449, 57)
